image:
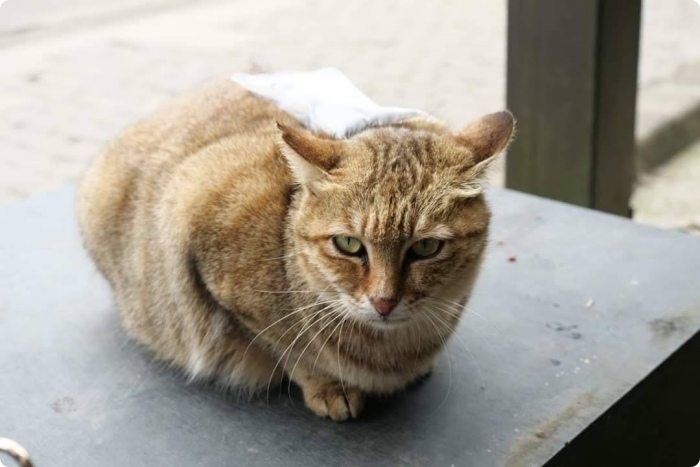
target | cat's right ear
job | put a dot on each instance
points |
(488, 136)
(309, 156)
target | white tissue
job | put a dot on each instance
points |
(323, 100)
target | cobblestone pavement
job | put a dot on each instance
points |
(68, 87)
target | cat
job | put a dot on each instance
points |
(17, 452)
(244, 248)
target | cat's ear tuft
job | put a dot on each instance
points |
(310, 157)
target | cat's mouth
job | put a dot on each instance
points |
(387, 322)
(368, 315)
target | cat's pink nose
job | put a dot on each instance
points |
(384, 305)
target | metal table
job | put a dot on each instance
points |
(579, 308)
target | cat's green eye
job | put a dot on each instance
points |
(426, 247)
(348, 245)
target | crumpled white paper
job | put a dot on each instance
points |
(323, 100)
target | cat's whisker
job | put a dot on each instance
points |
(340, 370)
(343, 314)
(453, 308)
(470, 312)
(352, 329)
(473, 328)
(322, 298)
(469, 323)
(449, 363)
(330, 334)
(466, 347)
(449, 328)
(299, 321)
(299, 310)
(448, 310)
(315, 304)
(415, 362)
(454, 305)
(291, 346)
(291, 291)
(452, 302)
(309, 343)
(460, 306)
(329, 310)
(438, 305)
(290, 255)
(330, 314)
(444, 308)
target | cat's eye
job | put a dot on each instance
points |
(426, 248)
(348, 245)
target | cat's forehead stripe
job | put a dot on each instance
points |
(391, 221)
(404, 202)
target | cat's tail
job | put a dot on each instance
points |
(16, 451)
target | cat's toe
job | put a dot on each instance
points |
(330, 400)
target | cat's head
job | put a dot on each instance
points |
(392, 221)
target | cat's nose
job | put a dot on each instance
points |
(384, 305)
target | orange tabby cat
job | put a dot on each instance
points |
(243, 247)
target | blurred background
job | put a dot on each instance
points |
(74, 72)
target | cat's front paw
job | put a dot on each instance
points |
(328, 399)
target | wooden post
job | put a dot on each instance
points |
(572, 85)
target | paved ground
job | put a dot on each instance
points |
(669, 197)
(71, 77)
(23, 20)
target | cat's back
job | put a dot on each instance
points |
(193, 154)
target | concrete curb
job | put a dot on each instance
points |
(668, 114)
(668, 139)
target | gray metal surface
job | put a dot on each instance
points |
(541, 365)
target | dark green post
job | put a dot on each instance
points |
(572, 85)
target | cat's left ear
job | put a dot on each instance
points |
(485, 138)
(309, 156)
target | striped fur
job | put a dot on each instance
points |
(213, 222)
